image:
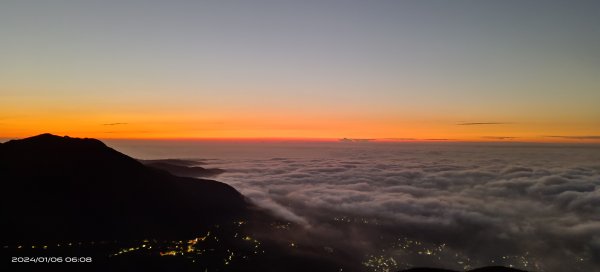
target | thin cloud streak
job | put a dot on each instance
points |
(585, 137)
(115, 124)
(499, 137)
(482, 123)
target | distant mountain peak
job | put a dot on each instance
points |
(45, 136)
(48, 139)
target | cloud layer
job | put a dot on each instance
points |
(532, 206)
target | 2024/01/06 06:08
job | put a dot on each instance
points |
(51, 259)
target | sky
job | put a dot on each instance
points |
(387, 70)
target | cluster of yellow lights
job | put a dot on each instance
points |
(193, 248)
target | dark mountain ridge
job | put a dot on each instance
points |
(182, 168)
(482, 269)
(60, 188)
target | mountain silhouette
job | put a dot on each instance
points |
(496, 269)
(62, 188)
(482, 269)
(183, 168)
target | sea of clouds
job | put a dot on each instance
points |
(533, 206)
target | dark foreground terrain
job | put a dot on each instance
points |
(483, 269)
(60, 188)
(72, 204)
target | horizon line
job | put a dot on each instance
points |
(482, 139)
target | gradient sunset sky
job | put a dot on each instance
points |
(392, 70)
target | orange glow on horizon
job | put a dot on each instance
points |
(285, 126)
(250, 139)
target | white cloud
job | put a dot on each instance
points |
(484, 200)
